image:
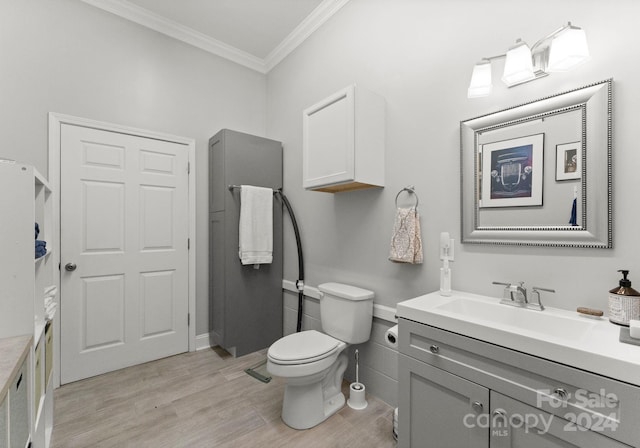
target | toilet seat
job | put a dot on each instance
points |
(303, 348)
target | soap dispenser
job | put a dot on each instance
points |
(624, 302)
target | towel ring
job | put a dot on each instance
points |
(411, 190)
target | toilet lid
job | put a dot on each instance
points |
(303, 347)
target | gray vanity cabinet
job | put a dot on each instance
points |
(424, 424)
(457, 391)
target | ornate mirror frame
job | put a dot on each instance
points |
(596, 228)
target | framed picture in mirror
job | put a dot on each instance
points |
(512, 172)
(568, 161)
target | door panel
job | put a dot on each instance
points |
(103, 311)
(124, 223)
(158, 297)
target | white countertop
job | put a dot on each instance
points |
(597, 349)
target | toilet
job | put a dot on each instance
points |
(313, 363)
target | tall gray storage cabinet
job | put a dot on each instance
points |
(245, 304)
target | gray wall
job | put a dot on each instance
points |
(69, 57)
(419, 56)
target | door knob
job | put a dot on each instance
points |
(70, 267)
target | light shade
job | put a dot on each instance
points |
(518, 67)
(568, 49)
(480, 84)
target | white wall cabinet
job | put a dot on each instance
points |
(26, 198)
(457, 391)
(344, 142)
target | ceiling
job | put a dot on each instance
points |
(254, 33)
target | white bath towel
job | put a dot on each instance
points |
(256, 225)
(406, 241)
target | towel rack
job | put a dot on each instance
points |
(411, 190)
(239, 187)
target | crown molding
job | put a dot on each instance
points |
(156, 22)
(323, 12)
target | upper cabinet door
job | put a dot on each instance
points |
(343, 142)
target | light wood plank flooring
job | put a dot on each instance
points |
(201, 399)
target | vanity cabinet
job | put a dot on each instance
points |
(457, 391)
(343, 142)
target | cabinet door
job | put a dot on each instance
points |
(440, 410)
(329, 140)
(515, 424)
(4, 435)
(19, 408)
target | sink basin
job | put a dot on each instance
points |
(549, 322)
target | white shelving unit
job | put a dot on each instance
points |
(26, 199)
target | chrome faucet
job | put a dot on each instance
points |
(516, 295)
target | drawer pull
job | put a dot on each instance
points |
(500, 413)
(434, 349)
(560, 393)
(477, 406)
(19, 382)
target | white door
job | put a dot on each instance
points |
(124, 258)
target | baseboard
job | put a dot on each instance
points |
(202, 341)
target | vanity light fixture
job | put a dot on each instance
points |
(480, 80)
(561, 50)
(518, 66)
(569, 49)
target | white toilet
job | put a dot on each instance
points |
(313, 363)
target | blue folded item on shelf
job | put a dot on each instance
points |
(41, 248)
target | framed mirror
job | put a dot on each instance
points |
(539, 173)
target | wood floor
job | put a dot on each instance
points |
(201, 399)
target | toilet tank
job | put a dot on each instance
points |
(346, 312)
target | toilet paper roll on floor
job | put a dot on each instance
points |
(391, 337)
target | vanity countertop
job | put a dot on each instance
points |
(587, 343)
(13, 351)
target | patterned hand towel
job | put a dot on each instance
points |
(406, 241)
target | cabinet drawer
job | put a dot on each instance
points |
(48, 353)
(606, 405)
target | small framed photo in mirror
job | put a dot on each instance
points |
(568, 161)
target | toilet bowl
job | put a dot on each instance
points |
(313, 363)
